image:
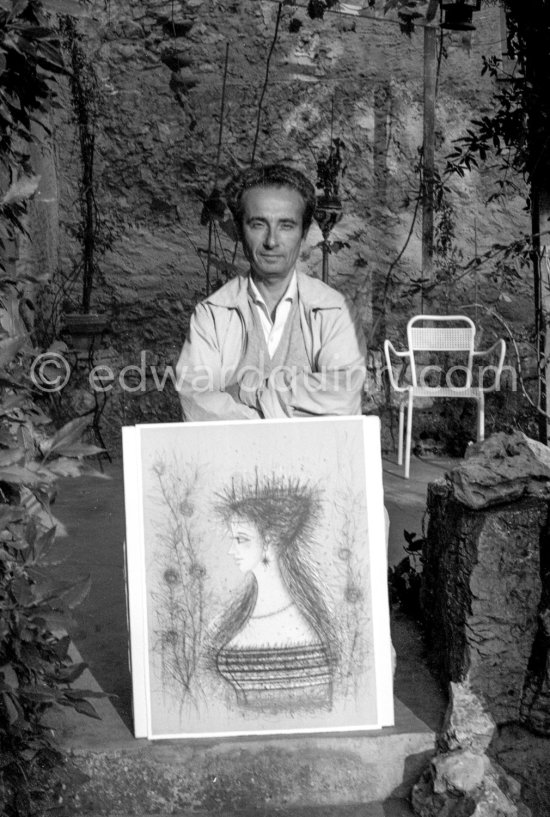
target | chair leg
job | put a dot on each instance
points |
(409, 436)
(401, 429)
(481, 418)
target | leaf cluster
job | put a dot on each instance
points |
(503, 134)
(316, 8)
(405, 579)
(31, 62)
(516, 132)
(408, 12)
(215, 214)
(37, 672)
(30, 57)
(330, 168)
(36, 669)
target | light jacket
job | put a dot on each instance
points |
(216, 342)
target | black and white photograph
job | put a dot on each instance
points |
(274, 408)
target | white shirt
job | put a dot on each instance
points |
(273, 330)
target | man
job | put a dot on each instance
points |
(274, 343)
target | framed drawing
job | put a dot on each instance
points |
(257, 577)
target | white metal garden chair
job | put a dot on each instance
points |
(445, 334)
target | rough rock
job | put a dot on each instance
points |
(461, 780)
(427, 803)
(485, 595)
(481, 593)
(461, 771)
(467, 724)
(500, 469)
(431, 798)
(493, 802)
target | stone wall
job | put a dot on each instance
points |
(160, 69)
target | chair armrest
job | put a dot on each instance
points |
(498, 344)
(500, 347)
(390, 349)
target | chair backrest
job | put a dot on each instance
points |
(441, 333)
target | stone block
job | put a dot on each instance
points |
(256, 775)
(481, 594)
(467, 724)
(500, 469)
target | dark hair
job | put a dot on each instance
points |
(277, 175)
(286, 511)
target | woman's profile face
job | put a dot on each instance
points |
(247, 545)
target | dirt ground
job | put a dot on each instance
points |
(526, 757)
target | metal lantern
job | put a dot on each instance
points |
(328, 213)
(459, 13)
(328, 210)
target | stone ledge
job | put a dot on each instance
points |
(276, 775)
(389, 808)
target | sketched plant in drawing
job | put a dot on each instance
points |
(352, 609)
(276, 645)
(181, 598)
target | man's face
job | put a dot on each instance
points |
(272, 231)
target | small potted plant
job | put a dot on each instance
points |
(84, 328)
(328, 210)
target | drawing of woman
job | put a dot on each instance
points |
(276, 644)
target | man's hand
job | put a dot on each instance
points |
(246, 390)
(233, 391)
(249, 386)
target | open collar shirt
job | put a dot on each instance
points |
(333, 339)
(273, 329)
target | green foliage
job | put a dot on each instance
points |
(30, 61)
(514, 136)
(86, 101)
(12, 209)
(29, 57)
(330, 169)
(504, 134)
(36, 670)
(516, 133)
(215, 257)
(408, 12)
(405, 579)
(316, 8)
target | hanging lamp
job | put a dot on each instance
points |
(458, 14)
